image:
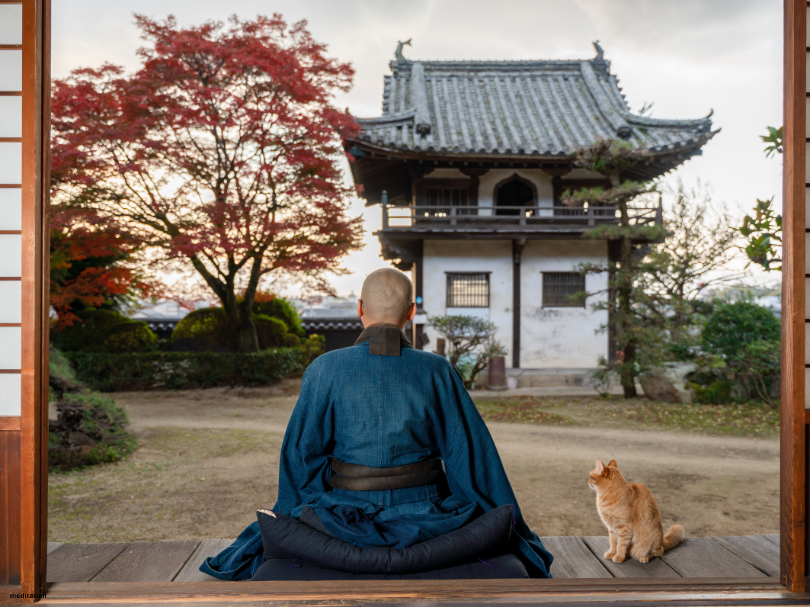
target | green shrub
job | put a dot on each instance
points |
(205, 330)
(270, 331)
(292, 341)
(130, 336)
(90, 428)
(759, 363)
(209, 330)
(59, 366)
(719, 392)
(313, 346)
(733, 325)
(282, 309)
(185, 370)
(105, 331)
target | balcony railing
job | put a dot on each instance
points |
(416, 216)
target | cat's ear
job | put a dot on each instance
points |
(612, 463)
(600, 467)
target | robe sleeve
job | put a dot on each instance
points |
(304, 469)
(474, 469)
(307, 442)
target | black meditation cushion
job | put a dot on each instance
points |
(285, 537)
(504, 566)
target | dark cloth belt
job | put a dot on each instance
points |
(354, 477)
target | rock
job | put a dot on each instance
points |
(668, 383)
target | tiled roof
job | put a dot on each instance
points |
(332, 324)
(532, 108)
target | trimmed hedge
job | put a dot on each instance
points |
(209, 330)
(185, 370)
(105, 331)
(280, 308)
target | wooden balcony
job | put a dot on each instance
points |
(508, 218)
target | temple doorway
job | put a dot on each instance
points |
(514, 193)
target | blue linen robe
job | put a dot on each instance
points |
(385, 411)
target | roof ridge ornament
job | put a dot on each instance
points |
(398, 53)
(600, 52)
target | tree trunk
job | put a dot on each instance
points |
(241, 319)
(628, 339)
(248, 339)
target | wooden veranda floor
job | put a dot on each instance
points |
(748, 557)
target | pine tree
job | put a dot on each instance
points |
(612, 159)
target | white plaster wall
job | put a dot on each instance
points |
(561, 337)
(495, 256)
(541, 181)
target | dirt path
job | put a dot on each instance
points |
(209, 458)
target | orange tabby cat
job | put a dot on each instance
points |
(631, 516)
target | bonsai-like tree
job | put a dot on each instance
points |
(468, 336)
(221, 151)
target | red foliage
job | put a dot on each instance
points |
(223, 150)
(89, 263)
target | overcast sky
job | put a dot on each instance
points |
(686, 56)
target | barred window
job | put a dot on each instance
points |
(559, 286)
(467, 290)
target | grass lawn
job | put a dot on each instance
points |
(748, 420)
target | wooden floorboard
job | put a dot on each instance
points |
(148, 562)
(748, 557)
(614, 592)
(572, 559)
(53, 546)
(81, 562)
(191, 570)
(630, 568)
(757, 550)
(774, 537)
(697, 557)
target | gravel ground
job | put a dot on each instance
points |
(209, 458)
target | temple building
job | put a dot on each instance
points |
(468, 162)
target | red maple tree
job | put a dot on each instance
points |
(222, 150)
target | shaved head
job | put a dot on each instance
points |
(387, 295)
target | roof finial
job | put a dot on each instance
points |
(398, 52)
(599, 51)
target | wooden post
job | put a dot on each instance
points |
(418, 293)
(793, 463)
(517, 251)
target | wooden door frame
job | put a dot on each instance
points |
(33, 497)
(25, 529)
(793, 472)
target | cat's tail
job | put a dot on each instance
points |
(673, 537)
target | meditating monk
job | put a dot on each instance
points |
(385, 448)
